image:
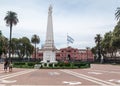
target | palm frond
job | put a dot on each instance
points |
(11, 18)
(117, 14)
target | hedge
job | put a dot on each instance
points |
(56, 66)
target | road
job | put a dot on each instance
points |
(97, 75)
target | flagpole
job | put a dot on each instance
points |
(67, 40)
(67, 47)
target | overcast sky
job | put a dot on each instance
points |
(81, 19)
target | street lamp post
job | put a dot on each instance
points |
(87, 52)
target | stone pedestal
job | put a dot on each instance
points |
(49, 56)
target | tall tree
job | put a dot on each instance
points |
(11, 19)
(35, 40)
(21, 47)
(3, 44)
(117, 14)
(98, 39)
(106, 43)
(0, 43)
(14, 43)
(116, 37)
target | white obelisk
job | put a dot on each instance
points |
(49, 53)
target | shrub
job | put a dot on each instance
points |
(19, 63)
(67, 64)
(50, 65)
(82, 64)
(31, 63)
(57, 65)
(60, 64)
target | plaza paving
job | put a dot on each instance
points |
(97, 75)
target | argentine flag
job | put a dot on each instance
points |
(70, 39)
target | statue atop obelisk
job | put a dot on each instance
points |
(49, 53)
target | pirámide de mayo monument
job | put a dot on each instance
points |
(49, 50)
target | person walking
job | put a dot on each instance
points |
(10, 66)
(5, 65)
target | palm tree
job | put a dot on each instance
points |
(35, 40)
(11, 19)
(98, 39)
(117, 14)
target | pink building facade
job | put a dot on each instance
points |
(70, 54)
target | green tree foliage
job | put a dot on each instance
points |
(107, 44)
(21, 47)
(98, 40)
(3, 44)
(24, 47)
(110, 43)
(116, 31)
(116, 37)
(94, 51)
(35, 40)
(0, 44)
(14, 43)
(115, 40)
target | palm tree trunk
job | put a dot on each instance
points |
(35, 50)
(10, 41)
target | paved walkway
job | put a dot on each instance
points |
(97, 75)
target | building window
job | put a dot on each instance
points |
(69, 51)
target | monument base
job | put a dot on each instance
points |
(49, 56)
